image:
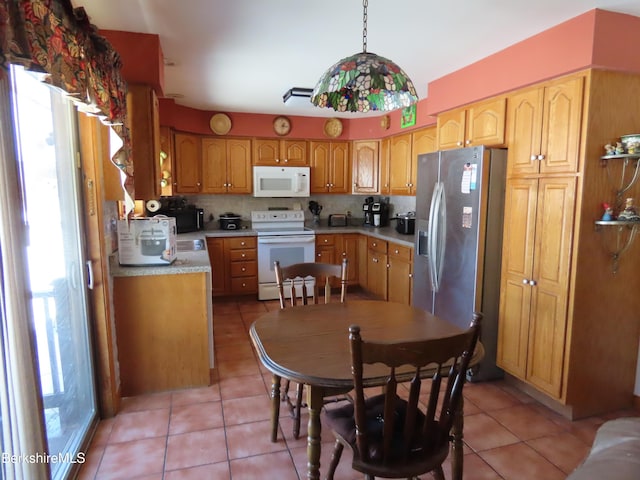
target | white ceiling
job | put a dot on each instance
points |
(243, 55)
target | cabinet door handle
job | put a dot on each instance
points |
(318, 255)
(540, 157)
(459, 144)
(243, 255)
(525, 281)
(468, 142)
(533, 283)
(286, 160)
(244, 269)
(277, 160)
(242, 243)
(533, 157)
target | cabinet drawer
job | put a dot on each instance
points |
(400, 251)
(325, 239)
(242, 255)
(243, 269)
(243, 285)
(377, 245)
(235, 243)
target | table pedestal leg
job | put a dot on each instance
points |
(275, 407)
(456, 448)
(315, 401)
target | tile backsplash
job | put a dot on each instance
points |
(244, 204)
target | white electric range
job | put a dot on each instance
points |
(282, 236)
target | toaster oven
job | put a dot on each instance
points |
(338, 220)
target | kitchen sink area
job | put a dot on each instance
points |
(190, 245)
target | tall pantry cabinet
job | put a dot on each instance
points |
(567, 325)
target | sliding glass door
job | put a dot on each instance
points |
(57, 271)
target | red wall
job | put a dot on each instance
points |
(141, 55)
(597, 38)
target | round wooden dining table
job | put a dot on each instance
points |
(310, 345)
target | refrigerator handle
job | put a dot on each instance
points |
(431, 238)
(441, 235)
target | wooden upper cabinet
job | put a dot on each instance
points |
(226, 165)
(144, 124)
(481, 123)
(329, 167)
(400, 165)
(451, 129)
(187, 162)
(214, 165)
(280, 152)
(544, 128)
(424, 141)
(365, 166)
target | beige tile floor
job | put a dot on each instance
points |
(222, 431)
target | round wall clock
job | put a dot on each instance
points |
(281, 125)
(333, 127)
(220, 124)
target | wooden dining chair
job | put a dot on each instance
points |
(393, 435)
(302, 282)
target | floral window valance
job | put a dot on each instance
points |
(53, 37)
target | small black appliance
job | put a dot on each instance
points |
(380, 214)
(368, 214)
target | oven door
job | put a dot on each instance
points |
(287, 249)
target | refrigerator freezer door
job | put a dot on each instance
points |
(428, 168)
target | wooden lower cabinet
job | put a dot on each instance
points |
(348, 248)
(325, 248)
(399, 273)
(234, 265)
(162, 343)
(363, 261)
(215, 249)
(333, 247)
(535, 279)
(377, 267)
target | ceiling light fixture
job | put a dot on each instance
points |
(364, 82)
(295, 92)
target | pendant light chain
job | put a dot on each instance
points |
(365, 4)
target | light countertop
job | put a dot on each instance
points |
(198, 261)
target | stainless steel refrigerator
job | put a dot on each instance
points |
(458, 235)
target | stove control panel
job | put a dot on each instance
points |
(278, 216)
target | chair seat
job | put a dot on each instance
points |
(424, 457)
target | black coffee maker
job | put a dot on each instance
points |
(368, 212)
(380, 213)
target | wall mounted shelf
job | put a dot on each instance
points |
(624, 230)
(625, 233)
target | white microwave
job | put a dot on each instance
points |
(281, 181)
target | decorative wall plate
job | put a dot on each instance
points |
(333, 127)
(220, 124)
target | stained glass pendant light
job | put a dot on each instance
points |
(364, 82)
